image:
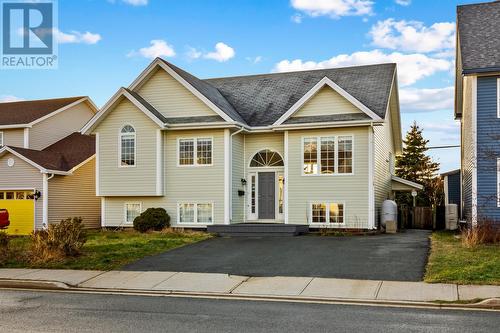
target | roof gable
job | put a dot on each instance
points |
(25, 113)
(262, 99)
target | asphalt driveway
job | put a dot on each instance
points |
(398, 257)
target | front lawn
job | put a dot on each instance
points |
(450, 262)
(106, 250)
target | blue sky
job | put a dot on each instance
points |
(104, 44)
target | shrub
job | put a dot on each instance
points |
(64, 239)
(4, 246)
(485, 233)
(152, 219)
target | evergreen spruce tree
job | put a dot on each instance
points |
(415, 165)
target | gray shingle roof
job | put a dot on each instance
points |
(263, 99)
(479, 33)
(191, 120)
(209, 92)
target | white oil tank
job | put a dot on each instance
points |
(389, 212)
(451, 217)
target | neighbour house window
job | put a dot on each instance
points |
(327, 212)
(127, 146)
(132, 210)
(498, 182)
(334, 156)
(195, 213)
(201, 148)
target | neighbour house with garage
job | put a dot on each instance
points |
(312, 147)
(477, 106)
(47, 168)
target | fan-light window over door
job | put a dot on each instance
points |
(266, 158)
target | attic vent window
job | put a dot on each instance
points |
(266, 158)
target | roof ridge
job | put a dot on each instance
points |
(298, 71)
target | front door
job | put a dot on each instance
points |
(267, 198)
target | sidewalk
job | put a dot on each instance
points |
(232, 285)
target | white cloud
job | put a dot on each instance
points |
(136, 2)
(10, 98)
(403, 2)
(76, 37)
(254, 60)
(417, 100)
(158, 48)
(296, 18)
(193, 53)
(411, 67)
(413, 36)
(223, 52)
(334, 8)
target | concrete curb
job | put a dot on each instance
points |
(492, 304)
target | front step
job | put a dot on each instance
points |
(258, 229)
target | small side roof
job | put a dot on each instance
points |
(62, 156)
(26, 112)
(400, 184)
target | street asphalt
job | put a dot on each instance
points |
(34, 311)
(398, 257)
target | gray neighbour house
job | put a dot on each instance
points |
(312, 147)
(477, 106)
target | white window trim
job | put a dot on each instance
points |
(120, 134)
(1, 138)
(195, 152)
(195, 215)
(125, 210)
(498, 182)
(318, 156)
(327, 203)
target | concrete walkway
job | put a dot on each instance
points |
(214, 283)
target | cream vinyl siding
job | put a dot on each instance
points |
(257, 142)
(326, 102)
(383, 149)
(59, 126)
(238, 173)
(171, 98)
(183, 184)
(22, 176)
(352, 190)
(74, 196)
(139, 180)
(13, 137)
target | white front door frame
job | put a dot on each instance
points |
(253, 176)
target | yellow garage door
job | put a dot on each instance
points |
(21, 207)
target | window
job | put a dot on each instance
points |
(498, 182)
(266, 158)
(193, 213)
(328, 155)
(345, 154)
(310, 156)
(1, 139)
(132, 210)
(2, 195)
(199, 147)
(281, 183)
(9, 195)
(327, 213)
(127, 146)
(253, 193)
(20, 195)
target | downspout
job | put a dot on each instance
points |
(231, 172)
(45, 199)
(371, 189)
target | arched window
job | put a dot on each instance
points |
(266, 158)
(127, 146)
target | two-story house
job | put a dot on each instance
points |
(312, 147)
(477, 105)
(47, 168)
